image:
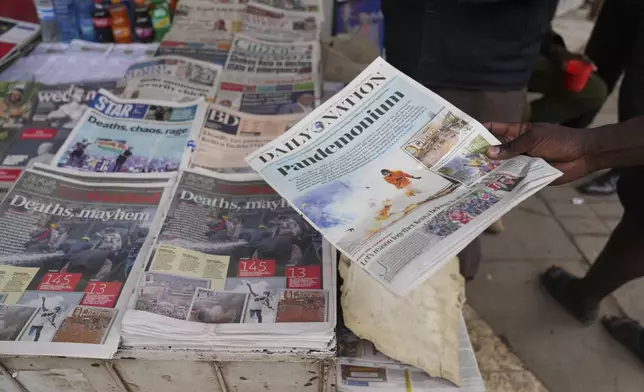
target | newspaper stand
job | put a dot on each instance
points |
(170, 369)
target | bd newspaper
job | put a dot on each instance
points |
(395, 177)
(68, 250)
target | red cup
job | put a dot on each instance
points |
(577, 73)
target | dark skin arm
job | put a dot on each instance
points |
(576, 152)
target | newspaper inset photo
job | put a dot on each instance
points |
(394, 176)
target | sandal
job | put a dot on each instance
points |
(558, 283)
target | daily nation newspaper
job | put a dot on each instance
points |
(270, 78)
(170, 78)
(232, 251)
(361, 367)
(117, 135)
(228, 136)
(394, 176)
(275, 24)
(69, 259)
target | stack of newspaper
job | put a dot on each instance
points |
(361, 367)
(76, 62)
(234, 266)
(15, 38)
(71, 251)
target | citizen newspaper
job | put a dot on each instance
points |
(274, 24)
(170, 78)
(233, 252)
(270, 78)
(69, 259)
(395, 177)
(117, 135)
(227, 136)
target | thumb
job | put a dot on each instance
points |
(521, 145)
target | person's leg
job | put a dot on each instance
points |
(621, 260)
(558, 104)
(259, 316)
(609, 47)
(38, 329)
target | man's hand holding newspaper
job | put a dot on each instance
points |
(395, 177)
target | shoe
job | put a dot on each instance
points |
(560, 284)
(604, 185)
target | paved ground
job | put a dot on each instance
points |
(545, 230)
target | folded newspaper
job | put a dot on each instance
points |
(227, 136)
(71, 251)
(170, 78)
(361, 367)
(15, 36)
(234, 266)
(117, 135)
(275, 24)
(395, 177)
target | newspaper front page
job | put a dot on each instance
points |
(394, 176)
(270, 78)
(56, 110)
(274, 24)
(170, 78)
(361, 367)
(232, 251)
(117, 135)
(228, 136)
(205, 21)
(69, 259)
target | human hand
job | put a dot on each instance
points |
(562, 147)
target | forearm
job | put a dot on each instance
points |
(617, 145)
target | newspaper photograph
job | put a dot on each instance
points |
(281, 25)
(17, 102)
(228, 136)
(392, 175)
(117, 135)
(270, 78)
(170, 78)
(67, 250)
(236, 236)
(204, 21)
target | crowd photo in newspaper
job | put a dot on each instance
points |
(395, 176)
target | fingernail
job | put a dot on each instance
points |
(494, 151)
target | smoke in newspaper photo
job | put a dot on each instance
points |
(168, 295)
(217, 307)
